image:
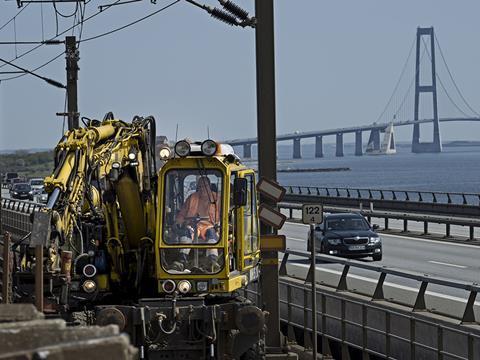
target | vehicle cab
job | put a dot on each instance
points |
(207, 237)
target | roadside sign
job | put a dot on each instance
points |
(271, 217)
(312, 214)
(273, 242)
(271, 189)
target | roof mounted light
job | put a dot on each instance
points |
(209, 147)
(182, 148)
(165, 153)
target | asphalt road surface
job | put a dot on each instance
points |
(454, 261)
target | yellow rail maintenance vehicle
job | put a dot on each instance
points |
(160, 254)
(207, 247)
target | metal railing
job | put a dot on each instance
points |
(368, 324)
(387, 194)
(16, 216)
(425, 280)
(448, 221)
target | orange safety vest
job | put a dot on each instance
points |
(207, 206)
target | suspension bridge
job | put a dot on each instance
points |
(415, 89)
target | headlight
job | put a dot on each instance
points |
(334, 241)
(15, 193)
(89, 286)
(182, 148)
(30, 192)
(116, 165)
(168, 286)
(209, 147)
(184, 286)
(165, 153)
(374, 239)
(202, 286)
(132, 155)
(89, 270)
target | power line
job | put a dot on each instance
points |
(48, 80)
(132, 23)
(12, 19)
(37, 68)
(63, 32)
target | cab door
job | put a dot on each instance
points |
(248, 234)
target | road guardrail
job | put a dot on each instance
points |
(388, 194)
(448, 221)
(355, 325)
(378, 199)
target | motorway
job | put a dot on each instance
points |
(458, 262)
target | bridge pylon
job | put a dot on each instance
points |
(436, 145)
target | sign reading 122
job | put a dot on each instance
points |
(312, 214)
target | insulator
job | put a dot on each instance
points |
(223, 16)
(234, 9)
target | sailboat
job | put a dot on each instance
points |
(387, 147)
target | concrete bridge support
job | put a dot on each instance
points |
(297, 150)
(374, 139)
(358, 143)
(247, 151)
(318, 146)
(339, 147)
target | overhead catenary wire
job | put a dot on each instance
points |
(13, 18)
(35, 69)
(62, 33)
(131, 23)
(32, 72)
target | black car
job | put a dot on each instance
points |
(21, 191)
(349, 235)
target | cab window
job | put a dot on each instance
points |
(250, 224)
(192, 217)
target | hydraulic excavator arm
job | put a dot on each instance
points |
(101, 206)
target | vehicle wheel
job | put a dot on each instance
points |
(377, 257)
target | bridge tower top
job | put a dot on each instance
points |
(436, 144)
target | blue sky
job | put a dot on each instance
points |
(337, 63)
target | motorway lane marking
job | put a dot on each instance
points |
(414, 238)
(447, 264)
(295, 239)
(398, 286)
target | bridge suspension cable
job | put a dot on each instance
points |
(442, 85)
(404, 68)
(452, 78)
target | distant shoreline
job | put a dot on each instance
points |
(460, 143)
(313, 170)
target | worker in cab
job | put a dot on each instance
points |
(199, 218)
